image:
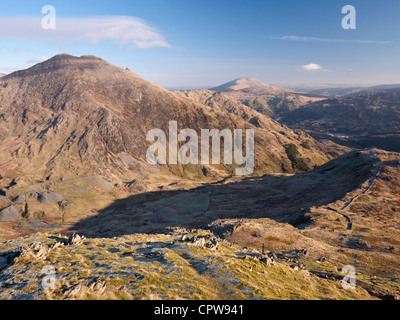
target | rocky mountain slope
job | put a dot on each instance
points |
(272, 101)
(73, 140)
(85, 116)
(72, 161)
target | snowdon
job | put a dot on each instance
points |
(189, 153)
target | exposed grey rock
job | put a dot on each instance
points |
(103, 183)
(4, 200)
(33, 188)
(213, 244)
(36, 250)
(48, 198)
(268, 261)
(10, 214)
(75, 239)
(98, 286)
(79, 190)
(305, 272)
(72, 292)
(185, 237)
(137, 186)
(200, 242)
(19, 199)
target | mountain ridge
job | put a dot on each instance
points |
(250, 85)
(272, 101)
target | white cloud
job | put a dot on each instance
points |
(37, 60)
(7, 70)
(315, 39)
(122, 30)
(312, 67)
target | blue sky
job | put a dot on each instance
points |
(203, 43)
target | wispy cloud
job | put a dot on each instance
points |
(7, 70)
(312, 67)
(121, 30)
(37, 60)
(315, 39)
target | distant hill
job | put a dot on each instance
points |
(340, 92)
(270, 100)
(365, 119)
(250, 85)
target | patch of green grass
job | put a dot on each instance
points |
(293, 155)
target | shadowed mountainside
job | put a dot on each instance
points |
(278, 197)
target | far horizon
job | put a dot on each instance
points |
(283, 43)
(296, 86)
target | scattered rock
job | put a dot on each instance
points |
(10, 214)
(80, 190)
(268, 261)
(98, 287)
(19, 199)
(137, 186)
(185, 237)
(33, 188)
(305, 272)
(75, 239)
(4, 199)
(73, 291)
(213, 244)
(36, 250)
(56, 245)
(199, 242)
(49, 198)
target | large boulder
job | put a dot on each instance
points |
(10, 214)
(48, 198)
(4, 199)
(20, 198)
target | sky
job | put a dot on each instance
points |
(205, 43)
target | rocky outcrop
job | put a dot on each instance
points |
(75, 239)
(19, 198)
(10, 214)
(48, 198)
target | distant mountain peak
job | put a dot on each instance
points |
(63, 62)
(250, 84)
(66, 56)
